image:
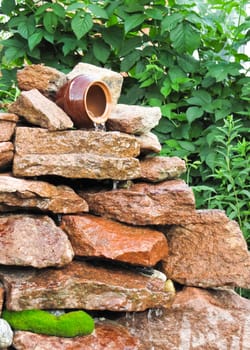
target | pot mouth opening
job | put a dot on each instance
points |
(97, 102)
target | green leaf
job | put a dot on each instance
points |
(81, 24)
(185, 38)
(187, 145)
(170, 22)
(58, 10)
(12, 53)
(129, 61)
(200, 98)
(8, 6)
(50, 21)
(193, 113)
(113, 36)
(133, 21)
(154, 13)
(166, 87)
(129, 45)
(101, 50)
(97, 11)
(35, 39)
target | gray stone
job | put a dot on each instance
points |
(39, 110)
(149, 143)
(6, 334)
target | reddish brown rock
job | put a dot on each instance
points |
(108, 336)
(168, 202)
(1, 298)
(209, 254)
(6, 154)
(157, 169)
(149, 143)
(32, 240)
(198, 319)
(7, 125)
(76, 154)
(80, 285)
(47, 80)
(100, 237)
(39, 110)
(20, 193)
(135, 120)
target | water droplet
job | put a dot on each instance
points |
(115, 184)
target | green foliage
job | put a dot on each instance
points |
(70, 324)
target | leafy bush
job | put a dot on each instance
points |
(185, 57)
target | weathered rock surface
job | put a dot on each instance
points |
(6, 334)
(6, 154)
(20, 193)
(39, 110)
(1, 298)
(108, 336)
(113, 79)
(7, 125)
(76, 154)
(167, 202)
(135, 120)
(198, 319)
(80, 285)
(209, 254)
(158, 168)
(149, 143)
(47, 80)
(32, 240)
(99, 237)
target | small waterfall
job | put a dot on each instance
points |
(99, 126)
(115, 184)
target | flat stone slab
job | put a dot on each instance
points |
(133, 119)
(156, 169)
(32, 240)
(210, 253)
(76, 154)
(80, 285)
(39, 110)
(108, 336)
(6, 154)
(7, 125)
(198, 319)
(33, 194)
(149, 143)
(113, 79)
(164, 203)
(99, 237)
(46, 79)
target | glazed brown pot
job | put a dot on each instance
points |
(86, 100)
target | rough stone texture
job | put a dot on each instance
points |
(39, 110)
(149, 143)
(108, 336)
(6, 154)
(113, 79)
(1, 298)
(6, 334)
(103, 143)
(80, 285)
(47, 80)
(76, 154)
(100, 237)
(7, 125)
(135, 120)
(209, 254)
(167, 202)
(157, 169)
(198, 319)
(20, 193)
(32, 240)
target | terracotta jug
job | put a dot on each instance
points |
(86, 100)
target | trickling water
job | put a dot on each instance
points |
(99, 126)
(115, 184)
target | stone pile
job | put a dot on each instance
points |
(91, 221)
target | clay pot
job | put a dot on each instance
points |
(86, 100)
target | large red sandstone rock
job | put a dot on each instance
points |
(80, 285)
(108, 336)
(47, 80)
(6, 154)
(198, 319)
(158, 168)
(99, 237)
(76, 154)
(133, 119)
(39, 110)
(208, 254)
(20, 193)
(7, 125)
(168, 202)
(32, 240)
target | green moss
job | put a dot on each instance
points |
(70, 324)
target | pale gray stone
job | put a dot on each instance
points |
(6, 334)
